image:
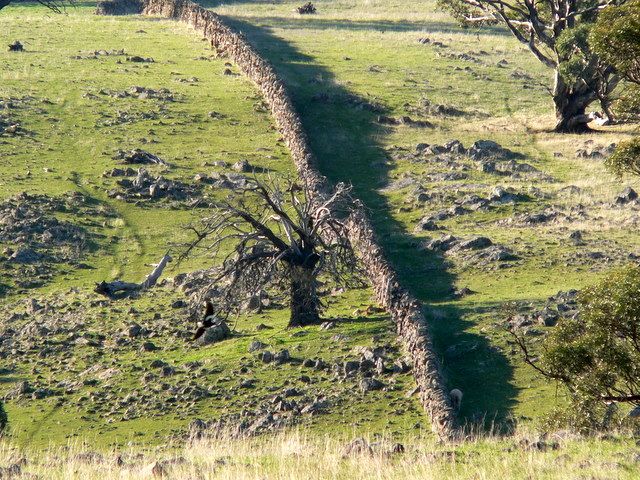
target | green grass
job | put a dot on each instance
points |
(385, 65)
(334, 52)
(67, 136)
(296, 455)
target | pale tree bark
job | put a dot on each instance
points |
(110, 289)
(542, 26)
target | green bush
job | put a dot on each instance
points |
(596, 355)
(616, 38)
(625, 158)
(627, 105)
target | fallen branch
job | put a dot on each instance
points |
(109, 289)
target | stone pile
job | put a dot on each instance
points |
(146, 186)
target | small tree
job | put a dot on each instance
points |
(596, 356)
(555, 31)
(625, 158)
(280, 238)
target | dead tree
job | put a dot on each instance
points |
(280, 238)
(57, 6)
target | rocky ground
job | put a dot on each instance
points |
(72, 356)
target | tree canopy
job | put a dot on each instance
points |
(616, 39)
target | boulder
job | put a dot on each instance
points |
(626, 196)
(16, 47)
(256, 345)
(358, 446)
(282, 356)
(475, 243)
(483, 149)
(215, 334)
(266, 356)
(134, 330)
(242, 166)
(369, 384)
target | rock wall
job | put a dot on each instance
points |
(406, 311)
(119, 7)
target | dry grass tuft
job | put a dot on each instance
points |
(294, 456)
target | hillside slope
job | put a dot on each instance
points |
(86, 92)
(443, 131)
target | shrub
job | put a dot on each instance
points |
(625, 158)
(627, 105)
(596, 355)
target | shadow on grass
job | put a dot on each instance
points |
(343, 139)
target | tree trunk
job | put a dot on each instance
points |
(112, 288)
(571, 102)
(305, 306)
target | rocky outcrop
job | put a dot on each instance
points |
(406, 311)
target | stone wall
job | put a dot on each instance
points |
(405, 310)
(121, 7)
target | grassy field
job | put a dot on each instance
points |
(495, 90)
(298, 456)
(345, 66)
(70, 130)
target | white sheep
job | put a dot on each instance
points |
(456, 398)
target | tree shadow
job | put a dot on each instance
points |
(344, 140)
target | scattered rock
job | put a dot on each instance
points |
(358, 446)
(138, 156)
(154, 470)
(138, 59)
(242, 166)
(626, 196)
(16, 47)
(385, 120)
(149, 347)
(256, 345)
(215, 334)
(369, 384)
(488, 149)
(306, 9)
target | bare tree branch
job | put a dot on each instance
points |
(280, 239)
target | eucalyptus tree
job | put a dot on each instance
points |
(557, 33)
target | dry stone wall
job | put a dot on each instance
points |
(406, 311)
